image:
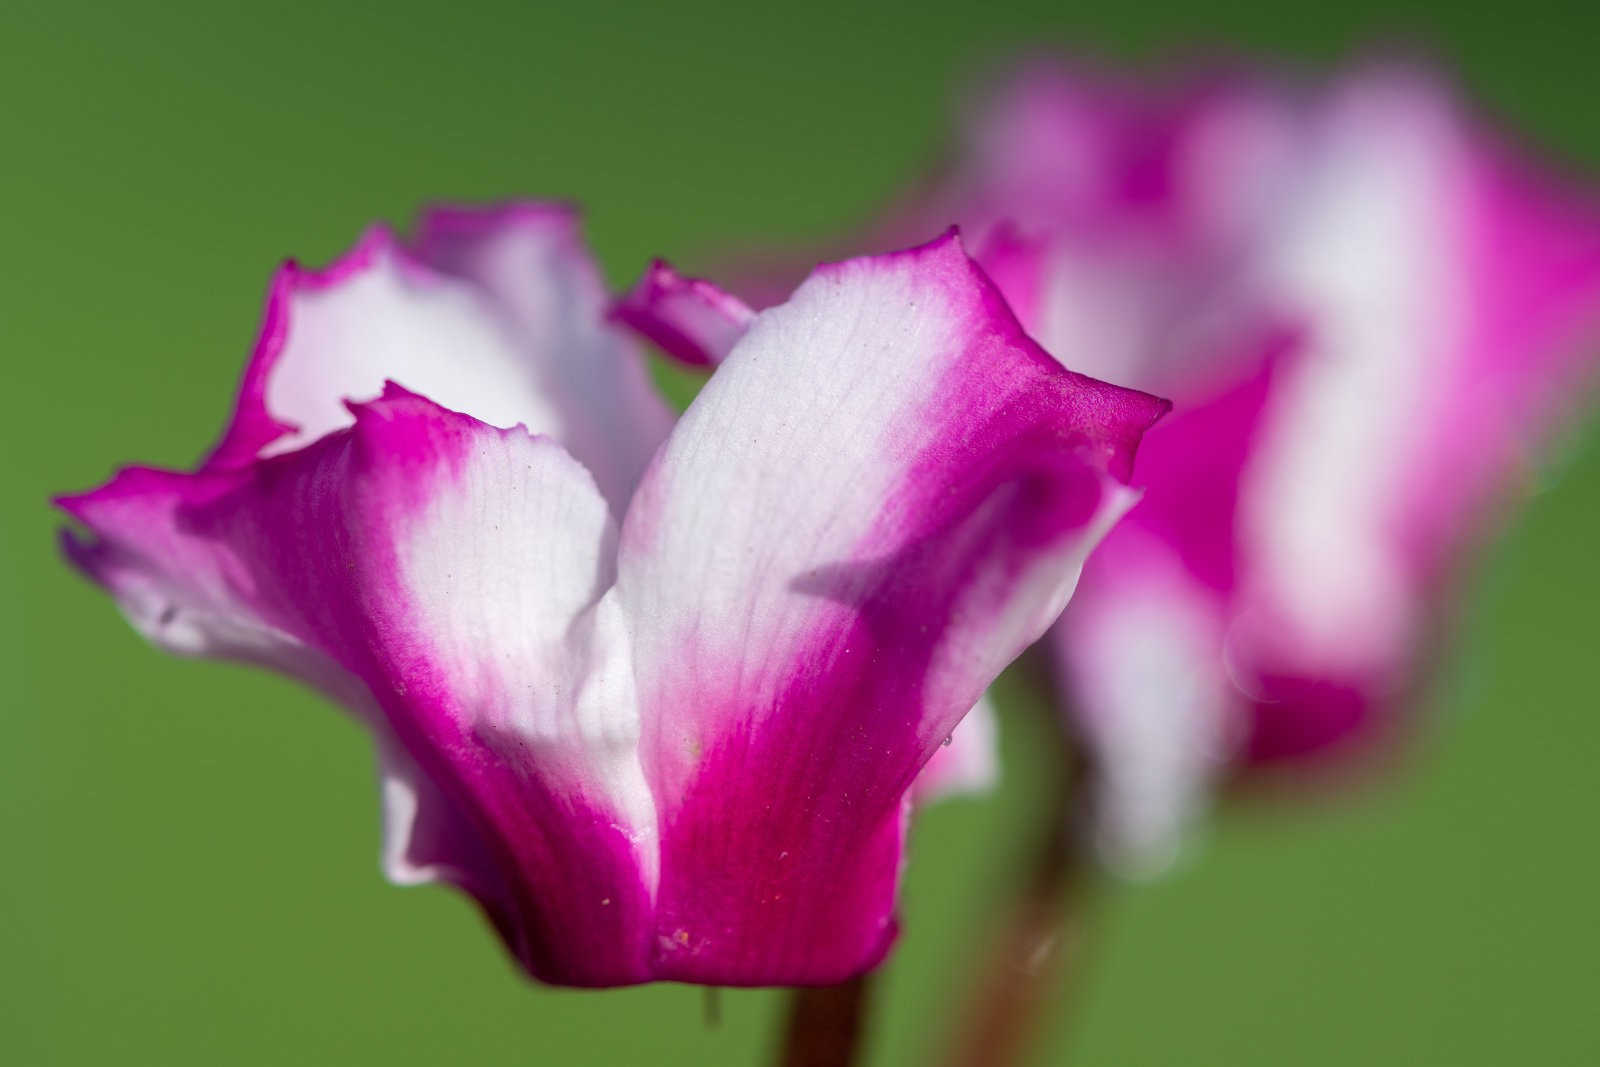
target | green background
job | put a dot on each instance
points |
(189, 867)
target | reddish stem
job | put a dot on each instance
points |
(826, 1024)
(1019, 983)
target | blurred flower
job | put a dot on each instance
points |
(653, 695)
(1368, 310)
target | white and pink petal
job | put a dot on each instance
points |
(689, 319)
(880, 498)
(529, 261)
(497, 312)
(458, 572)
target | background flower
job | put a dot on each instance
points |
(1374, 312)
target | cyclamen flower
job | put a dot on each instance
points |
(1368, 310)
(654, 695)
(1375, 329)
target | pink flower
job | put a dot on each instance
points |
(1380, 313)
(653, 694)
(1368, 310)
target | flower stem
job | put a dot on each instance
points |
(1039, 945)
(826, 1024)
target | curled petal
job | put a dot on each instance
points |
(881, 497)
(689, 319)
(173, 585)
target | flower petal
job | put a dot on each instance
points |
(698, 323)
(530, 261)
(457, 571)
(689, 319)
(694, 321)
(498, 314)
(1142, 644)
(428, 837)
(881, 497)
(174, 587)
(1447, 292)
